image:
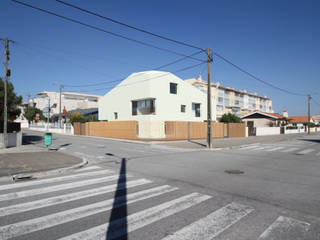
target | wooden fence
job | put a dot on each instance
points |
(174, 130)
(179, 130)
(115, 129)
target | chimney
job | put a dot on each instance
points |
(285, 113)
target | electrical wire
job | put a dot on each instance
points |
(103, 30)
(257, 78)
(130, 26)
(315, 101)
(148, 79)
(107, 82)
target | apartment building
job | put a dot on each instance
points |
(69, 101)
(230, 100)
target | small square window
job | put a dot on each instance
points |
(183, 108)
(173, 88)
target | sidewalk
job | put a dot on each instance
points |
(32, 162)
(222, 143)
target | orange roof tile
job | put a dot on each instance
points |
(298, 119)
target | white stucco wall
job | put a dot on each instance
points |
(154, 84)
(261, 131)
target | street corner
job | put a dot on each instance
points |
(29, 165)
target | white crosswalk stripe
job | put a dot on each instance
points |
(306, 151)
(212, 225)
(95, 167)
(274, 149)
(23, 207)
(141, 219)
(54, 180)
(55, 188)
(285, 228)
(290, 149)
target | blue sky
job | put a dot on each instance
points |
(277, 40)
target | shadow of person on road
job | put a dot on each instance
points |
(117, 227)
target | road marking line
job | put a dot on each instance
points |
(274, 149)
(290, 149)
(140, 219)
(249, 147)
(54, 180)
(306, 151)
(284, 226)
(36, 224)
(65, 186)
(213, 224)
(23, 207)
(256, 149)
(88, 168)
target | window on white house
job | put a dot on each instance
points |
(183, 108)
(115, 115)
(173, 88)
(196, 109)
(219, 108)
(143, 107)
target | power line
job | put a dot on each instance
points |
(315, 101)
(257, 78)
(103, 30)
(130, 26)
(148, 79)
(107, 82)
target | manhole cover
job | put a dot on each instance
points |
(234, 171)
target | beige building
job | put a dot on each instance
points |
(230, 100)
(69, 101)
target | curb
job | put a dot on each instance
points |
(40, 174)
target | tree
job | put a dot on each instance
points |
(31, 112)
(230, 118)
(13, 101)
(76, 117)
(91, 118)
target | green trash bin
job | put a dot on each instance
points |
(47, 139)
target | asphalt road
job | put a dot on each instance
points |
(152, 191)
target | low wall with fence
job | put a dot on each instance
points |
(114, 129)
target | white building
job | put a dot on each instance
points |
(154, 96)
(69, 101)
(230, 100)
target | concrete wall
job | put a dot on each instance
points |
(13, 140)
(154, 84)
(67, 129)
(151, 129)
(261, 131)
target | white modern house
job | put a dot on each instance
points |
(151, 98)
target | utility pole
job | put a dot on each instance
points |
(60, 117)
(48, 116)
(309, 98)
(7, 73)
(209, 127)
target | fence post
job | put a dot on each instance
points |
(228, 130)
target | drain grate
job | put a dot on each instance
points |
(234, 171)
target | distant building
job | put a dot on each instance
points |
(230, 100)
(69, 101)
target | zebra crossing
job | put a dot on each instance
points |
(298, 148)
(19, 201)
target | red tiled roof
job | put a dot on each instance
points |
(298, 119)
(277, 115)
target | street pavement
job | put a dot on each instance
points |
(151, 191)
